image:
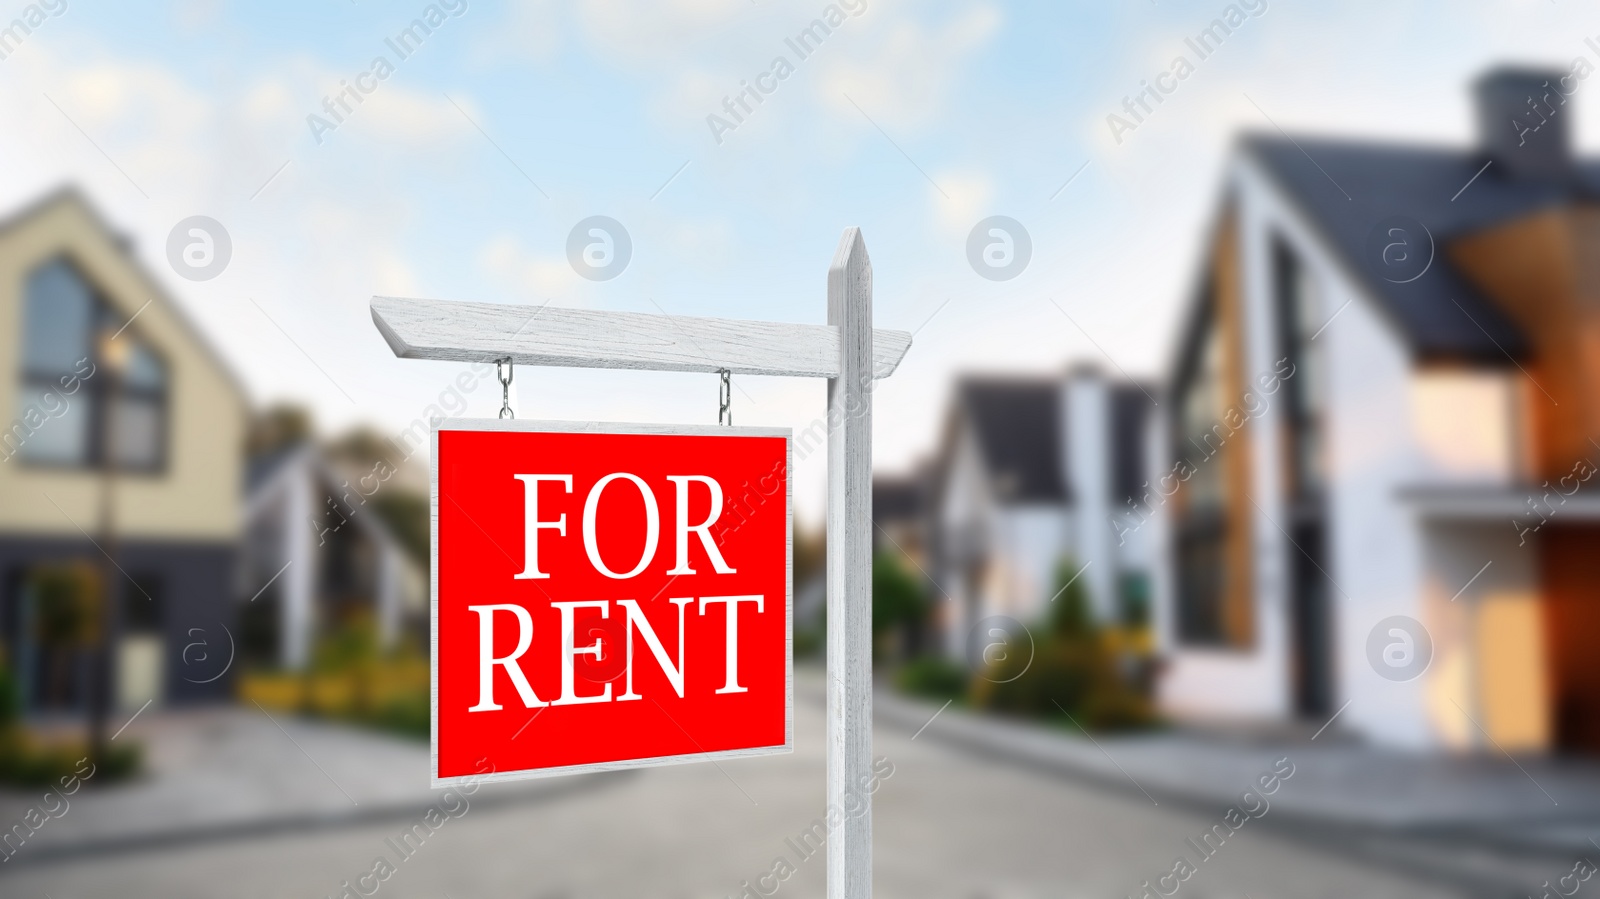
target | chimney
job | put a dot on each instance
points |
(1524, 122)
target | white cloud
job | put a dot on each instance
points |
(966, 199)
(903, 77)
(512, 266)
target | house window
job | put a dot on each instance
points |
(1201, 523)
(74, 411)
(1299, 320)
(1202, 570)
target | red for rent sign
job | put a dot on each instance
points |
(608, 596)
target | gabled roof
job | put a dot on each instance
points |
(902, 498)
(269, 475)
(74, 199)
(1346, 188)
(1016, 422)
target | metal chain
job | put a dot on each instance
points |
(725, 398)
(504, 370)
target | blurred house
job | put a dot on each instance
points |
(324, 558)
(121, 454)
(1384, 403)
(900, 515)
(1034, 472)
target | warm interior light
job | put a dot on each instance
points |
(115, 353)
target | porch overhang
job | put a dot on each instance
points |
(1501, 503)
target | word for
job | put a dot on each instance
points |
(803, 44)
(33, 16)
(407, 42)
(451, 805)
(1582, 470)
(452, 401)
(812, 839)
(1253, 803)
(652, 520)
(1582, 870)
(1232, 419)
(1207, 42)
(54, 404)
(33, 820)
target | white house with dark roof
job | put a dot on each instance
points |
(1032, 473)
(1383, 420)
(325, 557)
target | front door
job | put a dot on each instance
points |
(1570, 560)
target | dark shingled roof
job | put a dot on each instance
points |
(1017, 422)
(1347, 187)
(898, 498)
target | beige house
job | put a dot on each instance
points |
(123, 434)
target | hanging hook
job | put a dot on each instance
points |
(504, 370)
(725, 398)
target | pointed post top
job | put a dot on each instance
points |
(852, 249)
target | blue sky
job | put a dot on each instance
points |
(912, 120)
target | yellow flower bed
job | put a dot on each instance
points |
(337, 694)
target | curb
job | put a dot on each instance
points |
(224, 831)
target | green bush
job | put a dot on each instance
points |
(934, 677)
(897, 600)
(1072, 670)
(408, 716)
(22, 763)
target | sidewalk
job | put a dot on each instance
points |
(1545, 805)
(226, 772)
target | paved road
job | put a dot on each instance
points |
(948, 824)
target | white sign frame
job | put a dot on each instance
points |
(577, 427)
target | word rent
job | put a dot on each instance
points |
(633, 623)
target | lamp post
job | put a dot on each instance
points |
(113, 358)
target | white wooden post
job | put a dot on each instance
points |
(850, 569)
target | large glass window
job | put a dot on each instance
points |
(1299, 323)
(75, 407)
(1201, 523)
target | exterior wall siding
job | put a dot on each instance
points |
(197, 496)
(197, 591)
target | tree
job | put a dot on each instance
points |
(897, 600)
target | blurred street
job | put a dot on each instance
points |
(950, 821)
